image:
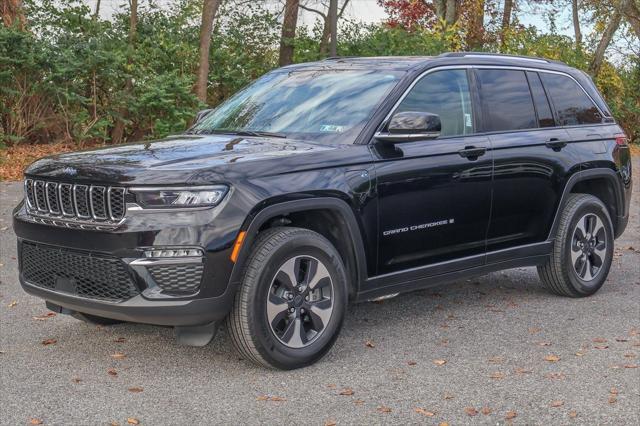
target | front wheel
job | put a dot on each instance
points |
(289, 309)
(582, 250)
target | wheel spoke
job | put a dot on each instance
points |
(320, 276)
(321, 313)
(576, 252)
(293, 334)
(276, 307)
(287, 274)
(599, 253)
(582, 227)
(586, 274)
(598, 228)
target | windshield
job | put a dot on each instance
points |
(329, 106)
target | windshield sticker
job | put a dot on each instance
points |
(334, 128)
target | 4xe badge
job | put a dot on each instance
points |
(418, 227)
(69, 171)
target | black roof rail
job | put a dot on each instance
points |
(497, 55)
(336, 58)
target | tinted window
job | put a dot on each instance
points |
(545, 116)
(506, 100)
(445, 93)
(572, 105)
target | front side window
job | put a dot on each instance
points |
(506, 100)
(572, 105)
(330, 106)
(445, 93)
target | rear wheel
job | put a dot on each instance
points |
(290, 307)
(582, 250)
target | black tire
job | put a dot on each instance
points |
(95, 320)
(561, 274)
(251, 332)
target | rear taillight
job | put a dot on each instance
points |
(621, 139)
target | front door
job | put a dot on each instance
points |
(435, 195)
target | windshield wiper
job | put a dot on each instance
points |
(236, 132)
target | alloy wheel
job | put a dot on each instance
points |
(588, 247)
(300, 301)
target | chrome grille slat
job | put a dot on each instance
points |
(62, 204)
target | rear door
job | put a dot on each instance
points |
(532, 157)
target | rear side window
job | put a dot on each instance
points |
(445, 93)
(545, 116)
(506, 100)
(572, 105)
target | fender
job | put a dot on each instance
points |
(582, 176)
(324, 203)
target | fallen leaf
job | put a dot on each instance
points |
(443, 424)
(471, 411)
(115, 424)
(119, 340)
(497, 375)
(552, 358)
(330, 422)
(439, 361)
(277, 399)
(270, 398)
(613, 391)
(630, 355)
(370, 344)
(601, 347)
(557, 404)
(631, 366)
(579, 353)
(573, 414)
(112, 372)
(133, 421)
(12, 304)
(118, 355)
(511, 415)
(44, 317)
(535, 330)
(34, 421)
(358, 402)
(424, 412)
(76, 380)
(135, 389)
(346, 392)
(411, 362)
(599, 340)
(49, 342)
(383, 409)
(520, 370)
(486, 411)
(621, 339)
(544, 343)
(555, 376)
(612, 399)
(331, 386)
(448, 396)
(496, 360)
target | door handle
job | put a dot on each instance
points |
(472, 152)
(556, 144)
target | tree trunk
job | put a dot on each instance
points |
(607, 36)
(333, 20)
(96, 12)
(326, 35)
(506, 20)
(209, 10)
(117, 133)
(631, 11)
(12, 14)
(288, 32)
(441, 8)
(451, 12)
(475, 33)
(576, 24)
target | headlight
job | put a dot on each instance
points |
(197, 196)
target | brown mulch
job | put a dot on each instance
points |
(14, 159)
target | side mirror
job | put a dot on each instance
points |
(202, 114)
(411, 125)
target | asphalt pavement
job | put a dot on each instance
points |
(497, 349)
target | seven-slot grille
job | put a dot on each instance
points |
(85, 202)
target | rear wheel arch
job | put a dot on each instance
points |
(603, 184)
(328, 216)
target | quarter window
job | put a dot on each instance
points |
(506, 100)
(572, 105)
(445, 93)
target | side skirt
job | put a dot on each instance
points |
(421, 278)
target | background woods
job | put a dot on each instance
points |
(69, 75)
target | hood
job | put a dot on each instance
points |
(170, 160)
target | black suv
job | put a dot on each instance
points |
(320, 183)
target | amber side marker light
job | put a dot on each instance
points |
(237, 246)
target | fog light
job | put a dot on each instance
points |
(182, 252)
